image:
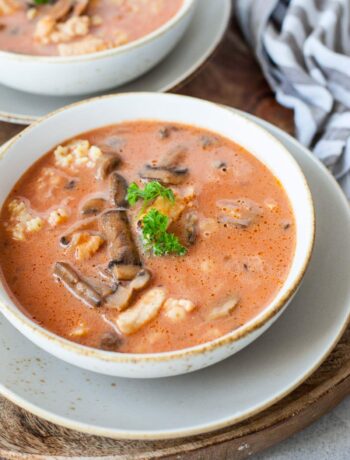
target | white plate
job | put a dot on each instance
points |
(222, 394)
(204, 34)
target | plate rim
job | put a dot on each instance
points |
(199, 429)
(175, 84)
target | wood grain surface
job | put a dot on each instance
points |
(231, 77)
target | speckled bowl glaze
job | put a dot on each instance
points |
(43, 135)
(89, 73)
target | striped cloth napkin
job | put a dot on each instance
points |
(303, 47)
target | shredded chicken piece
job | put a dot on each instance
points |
(271, 204)
(44, 27)
(77, 26)
(8, 7)
(76, 153)
(86, 245)
(225, 309)
(49, 31)
(120, 38)
(91, 44)
(22, 220)
(172, 210)
(80, 330)
(67, 26)
(57, 217)
(88, 45)
(31, 13)
(176, 309)
(146, 309)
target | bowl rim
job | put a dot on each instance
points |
(184, 9)
(246, 329)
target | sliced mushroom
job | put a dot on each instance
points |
(114, 142)
(286, 224)
(64, 241)
(120, 300)
(61, 9)
(235, 221)
(107, 290)
(141, 280)
(125, 260)
(110, 341)
(219, 164)
(165, 131)
(172, 157)
(106, 275)
(167, 170)
(172, 176)
(80, 7)
(70, 279)
(93, 206)
(107, 164)
(240, 213)
(86, 223)
(123, 271)
(118, 188)
(191, 221)
(208, 141)
(225, 309)
(70, 184)
(144, 311)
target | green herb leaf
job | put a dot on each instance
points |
(41, 2)
(133, 193)
(156, 238)
(151, 191)
(169, 243)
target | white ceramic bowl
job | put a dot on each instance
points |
(89, 73)
(43, 135)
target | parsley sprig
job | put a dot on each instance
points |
(41, 2)
(154, 224)
(151, 191)
(155, 236)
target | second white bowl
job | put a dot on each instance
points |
(89, 73)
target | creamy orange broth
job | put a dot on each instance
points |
(113, 22)
(224, 261)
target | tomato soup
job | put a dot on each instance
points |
(146, 237)
(73, 27)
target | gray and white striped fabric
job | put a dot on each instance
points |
(303, 47)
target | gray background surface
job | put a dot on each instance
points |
(326, 439)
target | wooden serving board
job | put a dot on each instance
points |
(231, 77)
